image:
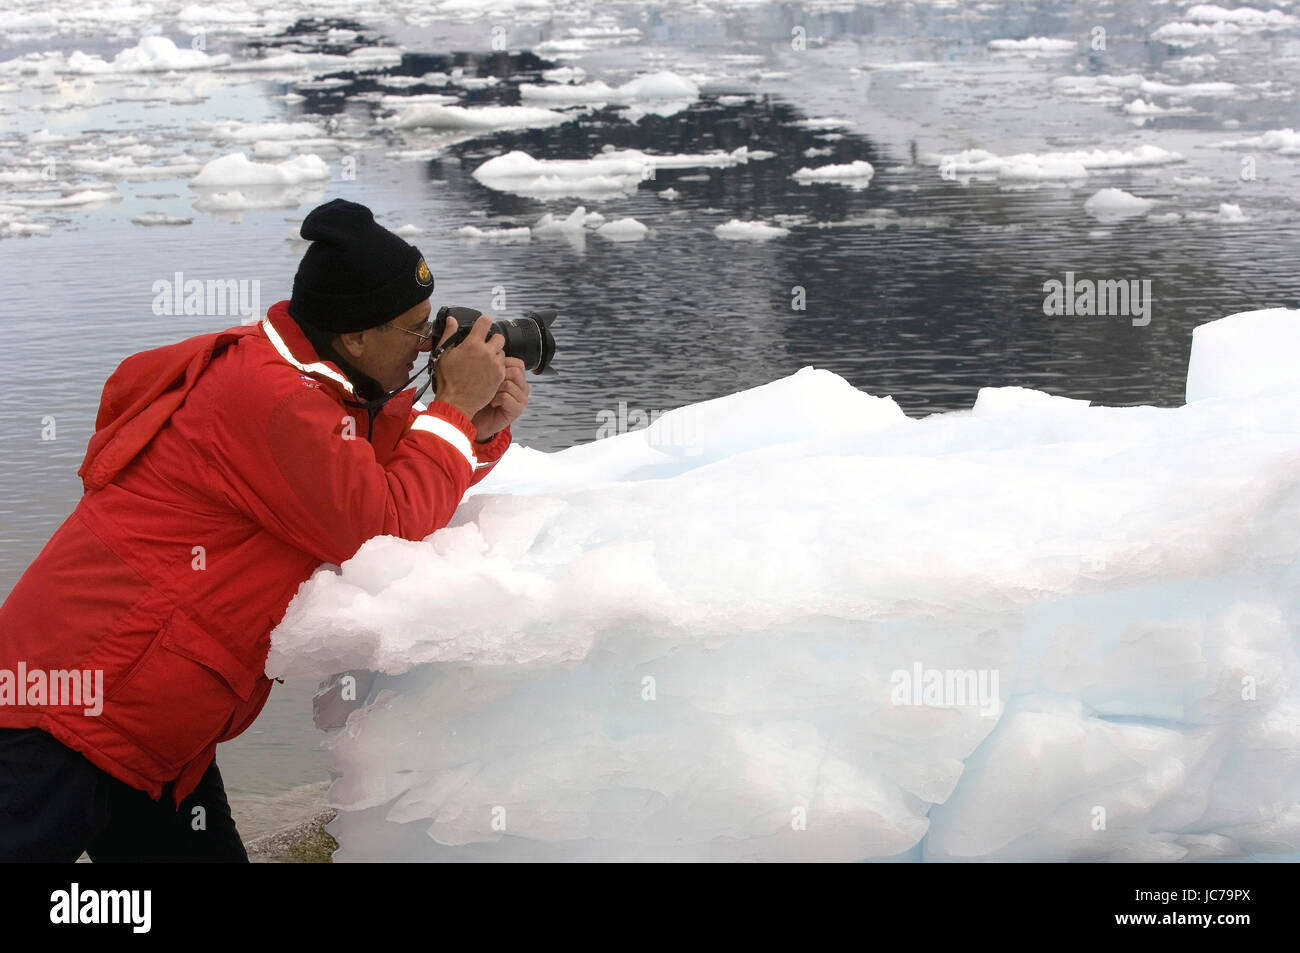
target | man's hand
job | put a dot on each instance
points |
(471, 374)
(508, 403)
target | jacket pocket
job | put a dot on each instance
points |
(181, 695)
(193, 642)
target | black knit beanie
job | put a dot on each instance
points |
(356, 274)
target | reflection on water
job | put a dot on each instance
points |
(916, 286)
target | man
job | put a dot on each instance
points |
(223, 471)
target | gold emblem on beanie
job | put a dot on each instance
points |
(422, 274)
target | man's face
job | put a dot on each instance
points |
(388, 353)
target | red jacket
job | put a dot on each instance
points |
(223, 471)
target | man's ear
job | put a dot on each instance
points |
(352, 344)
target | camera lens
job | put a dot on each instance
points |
(528, 338)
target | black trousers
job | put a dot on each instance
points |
(54, 804)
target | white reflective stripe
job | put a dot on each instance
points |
(448, 432)
(278, 343)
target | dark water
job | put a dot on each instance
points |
(917, 287)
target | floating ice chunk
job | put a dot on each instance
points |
(237, 131)
(1154, 88)
(1093, 86)
(125, 167)
(609, 172)
(1140, 107)
(1034, 44)
(82, 197)
(1195, 64)
(1140, 157)
(572, 227)
(475, 82)
(293, 62)
(573, 223)
(237, 169)
(662, 86)
(565, 74)
(45, 137)
(202, 14)
(903, 66)
(605, 32)
(663, 107)
(1283, 141)
(668, 195)
(12, 229)
(648, 647)
(856, 172)
(736, 230)
(572, 45)
(1116, 204)
(1244, 354)
(152, 54)
(1212, 13)
(1189, 34)
(408, 230)
(401, 102)
(436, 116)
(22, 176)
(405, 82)
(1231, 213)
(1050, 165)
(823, 122)
(475, 233)
(160, 218)
(1227, 214)
(330, 82)
(707, 160)
(255, 197)
(272, 149)
(596, 92)
(623, 230)
(605, 174)
(1207, 21)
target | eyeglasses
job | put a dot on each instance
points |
(424, 333)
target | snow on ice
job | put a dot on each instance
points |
(858, 172)
(606, 174)
(1116, 204)
(1050, 165)
(968, 636)
(736, 230)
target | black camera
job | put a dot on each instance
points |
(528, 338)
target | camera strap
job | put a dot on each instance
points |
(375, 406)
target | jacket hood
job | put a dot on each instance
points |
(140, 396)
(147, 388)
